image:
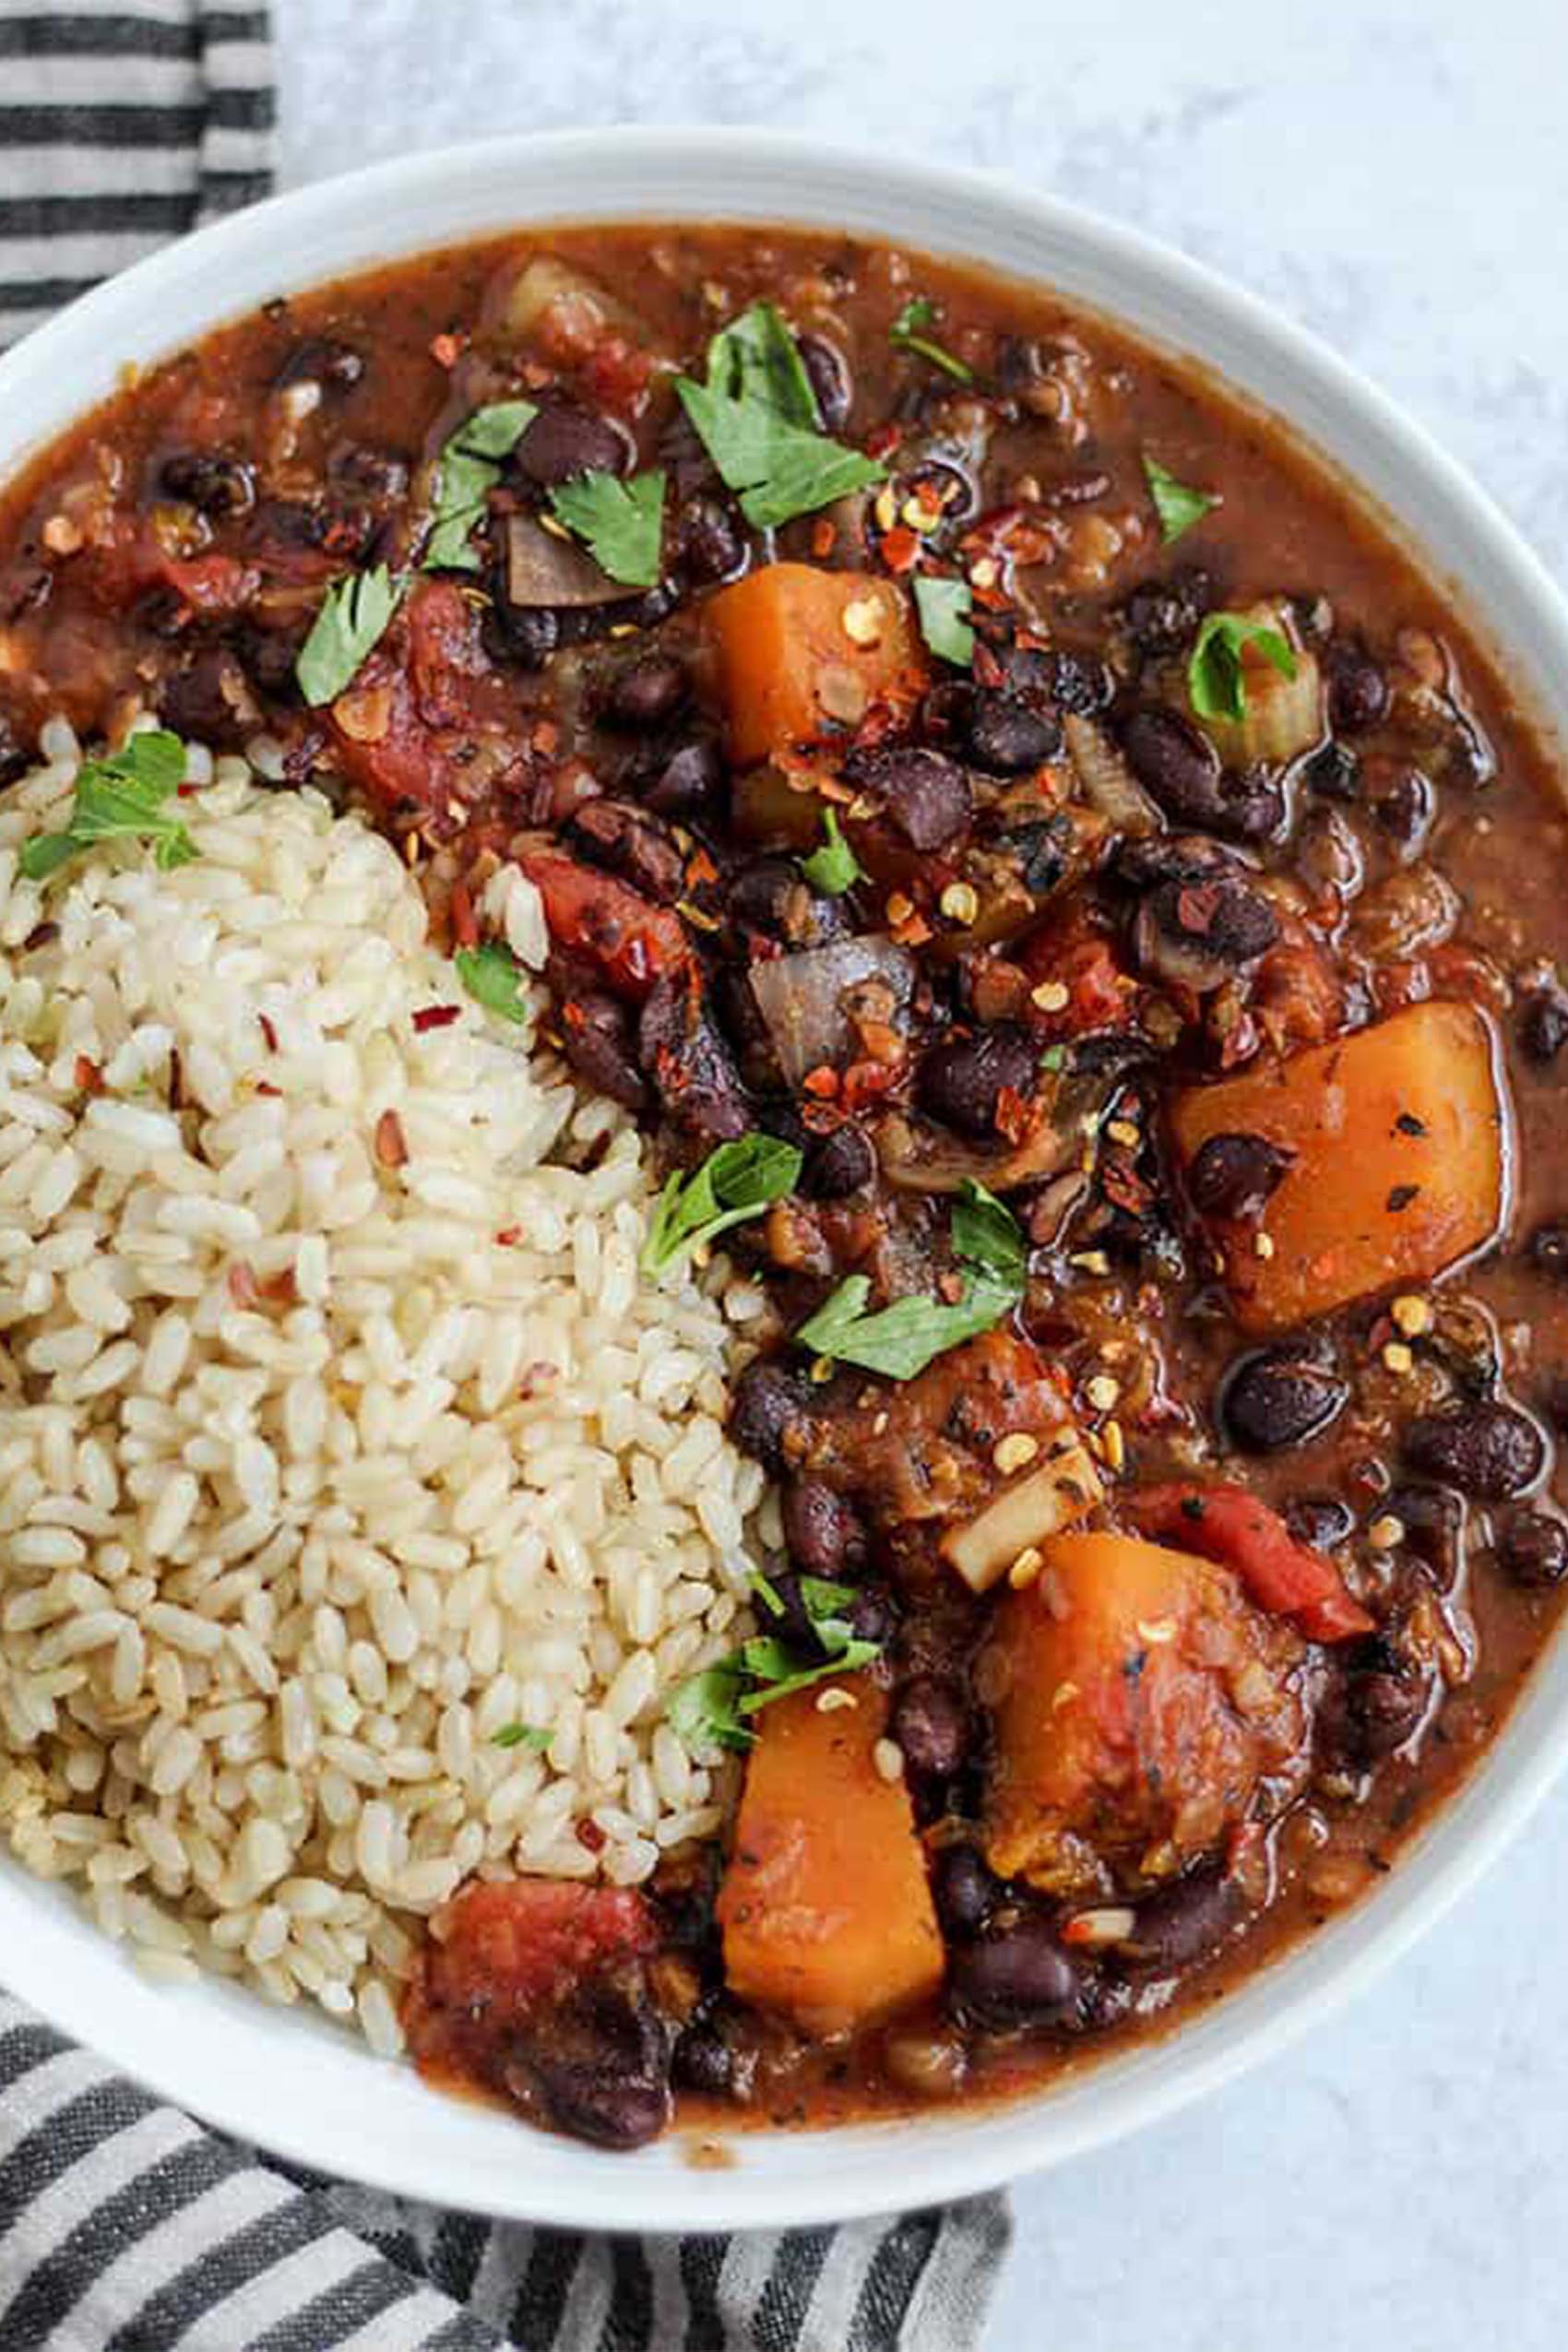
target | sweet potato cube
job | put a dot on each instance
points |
(800, 650)
(1398, 1168)
(825, 1907)
(1141, 1697)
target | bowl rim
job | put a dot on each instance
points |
(801, 2178)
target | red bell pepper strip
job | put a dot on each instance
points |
(1228, 1525)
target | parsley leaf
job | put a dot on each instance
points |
(623, 522)
(522, 1735)
(903, 1339)
(736, 1182)
(1177, 503)
(988, 1236)
(495, 979)
(1215, 682)
(758, 417)
(712, 1708)
(944, 606)
(835, 867)
(119, 797)
(469, 467)
(909, 332)
(353, 618)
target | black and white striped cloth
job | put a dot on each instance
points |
(125, 2227)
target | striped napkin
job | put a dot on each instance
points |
(124, 2226)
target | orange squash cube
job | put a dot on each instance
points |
(1398, 1138)
(825, 1907)
(798, 651)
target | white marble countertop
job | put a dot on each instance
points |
(1394, 173)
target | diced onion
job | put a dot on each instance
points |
(1038, 1506)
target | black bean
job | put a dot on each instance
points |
(1197, 934)
(771, 896)
(924, 794)
(1075, 682)
(1549, 1248)
(704, 2060)
(651, 694)
(1234, 1175)
(1533, 1549)
(1186, 1920)
(961, 1080)
(632, 843)
(689, 782)
(526, 634)
(710, 541)
(830, 379)
(373, 473)
(1433, 1521)
(1175, 762)
(14, 759)
(1272, 1399)
(564, 440)
(964, 1889)
(1006, 738)
(323, 359)
(1357, 691)
(770, 1413)
(597, 1035)
(1374, 1710)
(1408, 811)
(1543, 1024)
(689, 1062)
(1491, 1451)
(1320, 1520)
(1017, 1974)
(838, 1164)
(930, 1723)
(1333, 772)
(1161, 615)
(214, 485)
(607, 2109)
(209, 697)
(823, 1530)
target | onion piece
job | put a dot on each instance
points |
(1283, 716)
(544, 570)
(1109, 784)
(917, 1159)
(1037, 1507)
(580, 303)
(800, 997)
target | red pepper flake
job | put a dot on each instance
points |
(88, 1076)
(263, 1088)
(447, 349)
(465, 922)
(590, 1835)
(823, 536)
(268, 1031)
(700, 870)
(436, 1017)
(242, 1285)
(391, 1144)
(900, 548)
(822, 1081)
(864, 1081)
(508, 1237)
(883, 440)
(279, 1290)
(546, 739)
(1014, 1114)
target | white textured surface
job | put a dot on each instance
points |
(1394, 173)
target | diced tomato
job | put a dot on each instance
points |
(509, 1944)
(629, 941)
(210, 583)
(1226, 1524)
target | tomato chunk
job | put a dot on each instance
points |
(630, 942)
(508, 1945)
(1226, 1524)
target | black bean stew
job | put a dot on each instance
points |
(1086, 926)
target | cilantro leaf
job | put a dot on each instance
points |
(758, 417)
(736, 1182)
(352, 620)
(944, 606)
(987, 1237)
(623, 522)
(1177, 503)
(1215, 682)
(711, 1709)
(910, 332)
(495, 979)
(900, 1340)
(121, 797)
(522, 1735)
(835, 867)
(468, 470)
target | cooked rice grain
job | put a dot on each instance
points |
(311, 1484)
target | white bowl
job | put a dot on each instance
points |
(312, 2095)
